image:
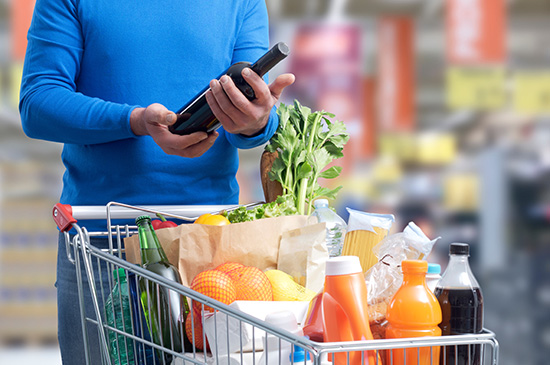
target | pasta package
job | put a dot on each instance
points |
(365, 231)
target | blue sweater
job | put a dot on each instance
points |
(89, 63)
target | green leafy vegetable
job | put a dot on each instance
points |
(284, 205)
(306, 143)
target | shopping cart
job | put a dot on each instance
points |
(234, 337)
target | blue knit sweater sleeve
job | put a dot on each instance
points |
(51, 107)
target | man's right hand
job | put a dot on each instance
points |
(154, 121)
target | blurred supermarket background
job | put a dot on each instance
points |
(448, 104)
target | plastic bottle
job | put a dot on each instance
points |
(461, 302)
(433, 276)
(336, 226)
(345, 286)
(165, 310)
(413, 312)
(277, 351)
(118, 315)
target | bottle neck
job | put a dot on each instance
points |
(458, 273)
(414, 278)
(151, 250)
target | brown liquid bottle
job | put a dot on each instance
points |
(461, 302)
(196, 115)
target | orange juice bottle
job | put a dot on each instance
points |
(413, 312)
(345, 283)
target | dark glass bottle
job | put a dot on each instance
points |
(197, 116)
(165, 310)
(461, 302)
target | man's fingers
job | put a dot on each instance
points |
(280, 83)
(261, 90)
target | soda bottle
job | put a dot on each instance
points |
(118, 315)
(165, 310)
(413, 312)
(336, 226)
(461, 302)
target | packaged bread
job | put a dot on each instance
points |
(365, 231)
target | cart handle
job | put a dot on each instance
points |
(63, 216)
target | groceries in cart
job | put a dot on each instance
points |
(240, 311)
(330, 313)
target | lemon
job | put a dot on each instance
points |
(285, 288)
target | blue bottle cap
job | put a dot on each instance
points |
(298, 355)
(434, 268)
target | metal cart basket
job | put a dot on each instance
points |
(114, 323)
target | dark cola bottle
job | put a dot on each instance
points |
(461, 302)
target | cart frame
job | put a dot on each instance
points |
(79, 248)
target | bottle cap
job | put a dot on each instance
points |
(320, 203)
(343, 265)
(298, 355)
(414, 266)
(142, 218)
(459, 249)
(119, 273)
(434, 268)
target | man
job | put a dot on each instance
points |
(104, 76)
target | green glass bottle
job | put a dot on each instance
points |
(165, 310)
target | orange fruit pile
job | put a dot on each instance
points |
(226, 283)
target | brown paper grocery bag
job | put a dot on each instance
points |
(193, 248)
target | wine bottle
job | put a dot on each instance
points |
(165, 310)
(197, 116)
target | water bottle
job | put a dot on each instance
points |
(433, 276)
(118, 315)
(336, 226)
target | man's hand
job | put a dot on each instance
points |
(154, 121)
(236, 113)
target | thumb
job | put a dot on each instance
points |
(280, 83)
(169, 118)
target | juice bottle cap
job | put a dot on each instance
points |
(414, 266)
(459, 249)
(343, 265)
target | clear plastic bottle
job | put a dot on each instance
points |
(336, 226)
(118, 315)
(461, 302)
(433, 276)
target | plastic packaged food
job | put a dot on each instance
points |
(365, 230)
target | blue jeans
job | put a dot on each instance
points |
(71, 340)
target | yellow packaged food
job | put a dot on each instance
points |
(365, 230)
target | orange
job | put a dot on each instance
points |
(213, 220)
(216, 285)
(194, 320)
(251, 283)
(227, 267)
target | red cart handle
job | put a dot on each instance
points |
(63, 216)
